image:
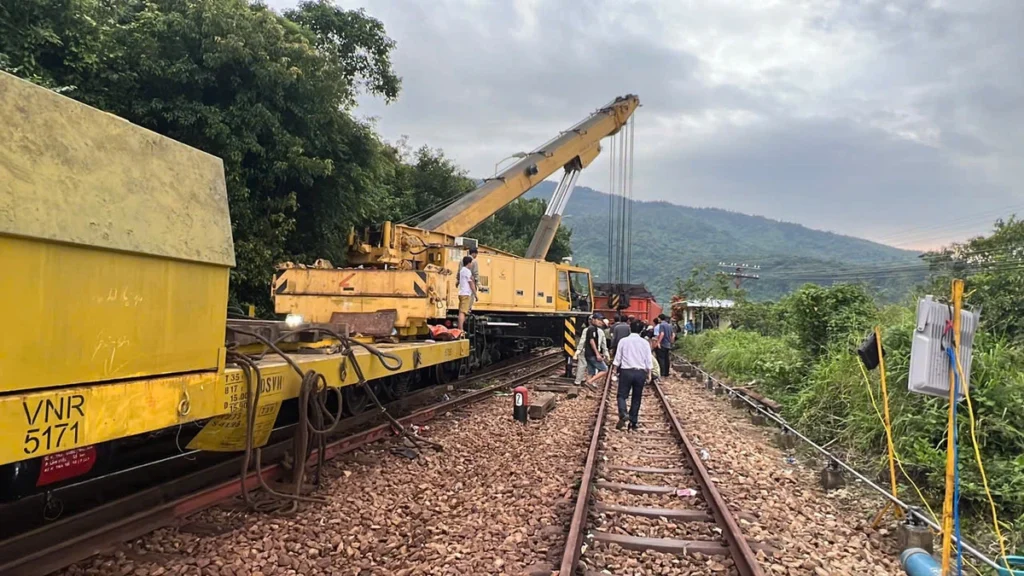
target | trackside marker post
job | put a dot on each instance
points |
(520, 403)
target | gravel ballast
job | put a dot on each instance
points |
(810, 531)
(497, 500)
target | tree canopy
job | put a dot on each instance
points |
(993, 274)
(271, 94)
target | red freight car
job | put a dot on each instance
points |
(641, 302)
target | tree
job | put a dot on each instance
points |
(512, 229)
(706, 284)
(765, 318)
(993, 274)
(821, 317)
(268, 94)
(272, 96)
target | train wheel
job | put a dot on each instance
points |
(355, 400)
(399, 385)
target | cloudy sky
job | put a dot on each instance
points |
(901, 121)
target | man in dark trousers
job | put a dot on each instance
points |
(633, 368)
(666, 338)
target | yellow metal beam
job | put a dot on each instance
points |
(50, 421)
(471, 210)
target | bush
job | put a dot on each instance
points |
(812, 371)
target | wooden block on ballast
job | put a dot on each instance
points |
(569, 391)
(540, 405)
(761, 399)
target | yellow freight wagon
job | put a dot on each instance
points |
(117, 247)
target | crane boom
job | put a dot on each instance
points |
(562, 151)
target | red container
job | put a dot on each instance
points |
(642, 304)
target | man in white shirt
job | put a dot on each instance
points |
(467, 287)
(633, 365)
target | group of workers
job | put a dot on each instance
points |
(638, 352)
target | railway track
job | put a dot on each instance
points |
(647, 498)
(47, 549)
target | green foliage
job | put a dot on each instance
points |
(512, 228)
(811, 369)
(822, 317)
(270, 94)
(994, 275)
(706, 283)
(764, 318)
(266, 94)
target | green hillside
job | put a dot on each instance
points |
(669, 240)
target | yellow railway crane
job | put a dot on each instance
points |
(400, 279)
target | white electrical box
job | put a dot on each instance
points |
(467, 243)
(929, 361)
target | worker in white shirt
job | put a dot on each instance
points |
(467, 287)
(633, 366)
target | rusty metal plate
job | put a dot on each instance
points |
(378, 324)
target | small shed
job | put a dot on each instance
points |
(703, 314)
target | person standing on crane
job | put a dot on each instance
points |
(474, 267)
(467, 287)
(633, 366)
(665, 338)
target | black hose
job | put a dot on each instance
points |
(316, 419)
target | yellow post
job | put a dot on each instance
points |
(888, 422)
(947, 504)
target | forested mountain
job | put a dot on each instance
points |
(669, 240)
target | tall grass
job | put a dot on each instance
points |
(826, 398)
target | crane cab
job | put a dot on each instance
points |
(575, 289)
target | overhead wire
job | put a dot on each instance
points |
(995, 263)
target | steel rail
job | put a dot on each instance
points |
(35, 554)
(742, 556)
(574, 541)
(911, 511)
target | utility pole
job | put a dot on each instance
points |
(740, 272)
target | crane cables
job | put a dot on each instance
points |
(620, 207)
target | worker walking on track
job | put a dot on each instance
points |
(666, 337)
(620, 331)
(467, 287)
(633, 366)
(594, 351)
(581, 362)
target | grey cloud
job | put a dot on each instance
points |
(828, 174)
(806, 111)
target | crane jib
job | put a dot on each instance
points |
(494, 194)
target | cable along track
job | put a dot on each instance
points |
(647, 504)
